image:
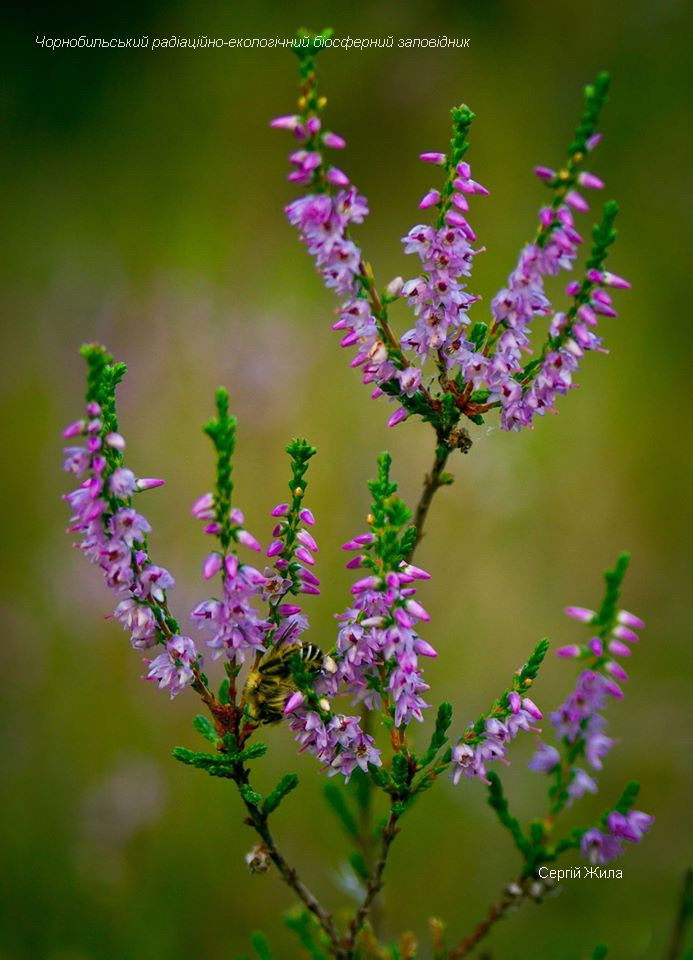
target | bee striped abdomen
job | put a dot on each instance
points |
(270, 684)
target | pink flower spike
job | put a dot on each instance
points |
(424, 648)
(355, 563)
(616, 670)
(460, 201)
(612, 688)
(514, 701)
(545, 173)
(253, 576)
(576, 201)
(289, 609)
(596, 646)
(294, 702)
(305, 556)
(309, 588)
(212, 565)
(590, 181)
(415, 572)
(115, 441)
(613, 280)
(531, 708)
(334, 141)
(307, 540)
(432, 157)
(397, 417)
(618, 649)
(275, 548)
(75, 429)
(546, 216)
(307, 517)
(367, 583)
(415, 608)
(362, 540)
(571, 651)
(630, 620)
(280, 510)
(625, 633)
(148, 483)
(231, 565)
(248, 540)
(429, 199)
(307, 576)
(288, 122)
(203, 508)
(581, 613)
(337, 177)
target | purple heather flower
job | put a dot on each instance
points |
(172, 669)
(338, 743)
(598, 847)
(115, 540)
(580, 784)
(581, 613)
(433, 157)
(470, 756)
(236, 627)
(545, 759)
(378, 643)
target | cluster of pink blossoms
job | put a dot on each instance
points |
(495, 364)
(579, 721)
(114, 537)
(236, 627)
(470, 756)
(579, 724)
(377, 645)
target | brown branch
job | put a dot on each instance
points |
(432, 481)
(259, 821)
(374, 885)
(495, 913)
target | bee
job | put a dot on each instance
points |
(270, 683)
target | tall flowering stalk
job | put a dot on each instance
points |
(444, 368)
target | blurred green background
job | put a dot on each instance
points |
(143, 196)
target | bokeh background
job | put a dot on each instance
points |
(143, 194)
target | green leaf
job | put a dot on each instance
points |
(224, 691)
(249, 795)
(498, 802)
(312, 938)
(614, 580)
(600, 952)
(260, 945)
(628, 797)
(254, 752)
(379, 776)
(215, 764)
(204, 726)
(478, 333)
(400, 769)
(337, 800)
(287, 783)
(438, 737)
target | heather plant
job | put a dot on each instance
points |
(361, 707)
